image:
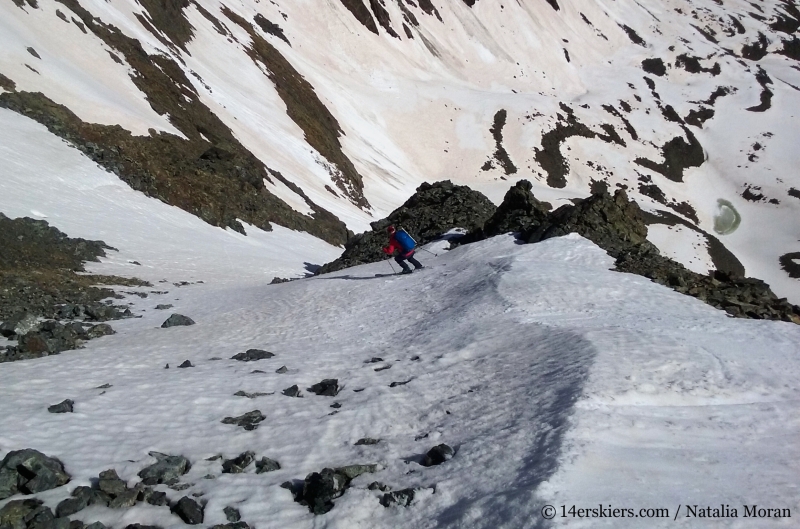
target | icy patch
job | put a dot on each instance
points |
(726, 219)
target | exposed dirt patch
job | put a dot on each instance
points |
(766, 94)
(635, 38)
(654, 66)
(321, 129)
(692, 65)
(169, 18)
(500, 153)
(755, 51)
(362, 14)
(678, 155)
(271, 28)
(699, 116)
(383, 17)
(790, 262)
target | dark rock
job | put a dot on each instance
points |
(613, 223)
(111, 483)
(327, 388)
(232, 514)
(18, 325)
(248, 421)
(185, 364)
(250, 395)
(438, 455)
(29, 471)
(16, 513)
(321, 488)
(189, 511)
(251, 355)
(654, 66)
(177, 320)
(95, 525)
(64, 406)
(158, 498)
(238, 464)
(163, 306)
(377, 485)
(232, 525)
(101, 312)
(403, 383)
(124, 499)
(281, 370)
(140, 526)
(336, 405)
(402, 498)
(520, 211)
(101, 329)
(166, 470)
(367, 441)
(266, 464)
(432, 211)
(374, 360)
(293, 391)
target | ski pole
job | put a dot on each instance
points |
(430, 252)
(389, 260)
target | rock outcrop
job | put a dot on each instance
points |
(29, 471)
(432, 211)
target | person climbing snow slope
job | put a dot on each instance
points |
(401, 241)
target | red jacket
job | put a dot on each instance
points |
(394, 245)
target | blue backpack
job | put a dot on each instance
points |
(406, 242)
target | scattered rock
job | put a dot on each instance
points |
(395, 384)
(293, 391)
(336, 405)
(164, 306)
(281, 370)
(81, 498)
(402, 498)
(438, 455)
(251, 355)
(30, 514)
(327, 388)
(189, 511)
(29, 471)
(232, 514)
(374, 360)
(140, 526)
(185, 364)
(321, 488)
(233, 525)
(238, 464)
(367, 441)
(124, 499)
(166, 470)
(18, 325)
(377, 485)
(250, 395)
(101, 329)
(266, 464)
(64, 406)
(111, 483)
(157, 498)
(177, 320)
(248, 421)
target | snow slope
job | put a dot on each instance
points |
(422, 108)
(558, 382)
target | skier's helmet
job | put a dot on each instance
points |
(391, 229)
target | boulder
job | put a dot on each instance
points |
(292, 391)
(238, 464)
(30, 514)
(65, 406)
(321, 488)
(29, 471)
(431, 212)
(251, 355)
(18, 325)
(327, 388)
(111, 483)
(402, 498)
(232, 514)
(188, 510)
(101, 329)
(266, 464)
(177, 320)
(185, 364)
(167, 469)
(248, 421)
(519, 212)
(438, 455)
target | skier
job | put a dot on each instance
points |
(402, 241)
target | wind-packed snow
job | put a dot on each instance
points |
(557, 380)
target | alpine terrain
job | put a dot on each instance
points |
(198, 325)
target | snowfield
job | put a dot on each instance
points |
(557, 381)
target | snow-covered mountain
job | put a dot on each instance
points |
(312, 114)
(216, 145)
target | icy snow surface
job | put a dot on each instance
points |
(557, 380)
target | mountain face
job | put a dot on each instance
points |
(324, 116)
